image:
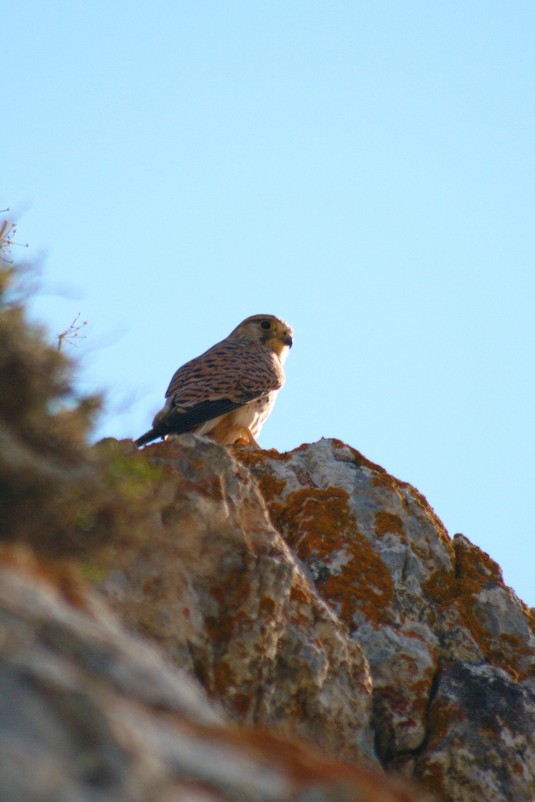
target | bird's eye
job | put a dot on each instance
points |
(265, 324)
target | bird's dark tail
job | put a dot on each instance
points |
(152, 434)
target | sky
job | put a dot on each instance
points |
(364, 170)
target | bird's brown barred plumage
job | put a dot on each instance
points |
(228, 392)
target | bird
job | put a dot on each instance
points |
(228, 392)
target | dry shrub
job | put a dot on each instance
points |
(57, 494)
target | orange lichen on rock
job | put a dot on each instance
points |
(459, 591)
(270, 486)
(448, 591)
(253, 456)
(407, 493)
(387, 522)
(358, 458)
(320, 527)
(472, 564)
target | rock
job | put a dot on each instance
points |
(427, 611)
(89, 712)
(480, 736)
(346, 629)
(332, 605)
(218, 587)
(285, 611)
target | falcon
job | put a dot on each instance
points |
(228, 392)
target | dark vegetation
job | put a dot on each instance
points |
(59, 496)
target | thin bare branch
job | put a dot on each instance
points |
(72, 333)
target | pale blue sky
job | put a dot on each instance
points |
(365, 170)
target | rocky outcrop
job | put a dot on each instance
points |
(285, 612)
(451, 650)
(321, 598)
(240, 613)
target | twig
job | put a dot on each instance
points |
(7, 232)
(72, 333)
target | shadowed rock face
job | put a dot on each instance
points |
(325, 600)
(89, 712)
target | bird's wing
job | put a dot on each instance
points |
(229, 375)
(182, 419)
(236, 370)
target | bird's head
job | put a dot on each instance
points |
(270, 330)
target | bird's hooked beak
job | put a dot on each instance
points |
(287, 340)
